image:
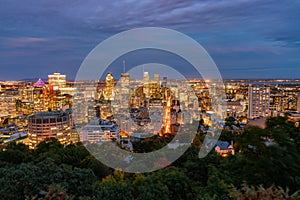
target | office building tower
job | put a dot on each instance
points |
(298, 102)
(8, 105)
(57, 80)
(146, 84)
(164, 82)
(156, 78)
(34, 98)
(40, 96)
(258, 101)
(146, 77)
(109, 87)
(125, 90)
(51, 124)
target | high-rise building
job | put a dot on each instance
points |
(125, 81)
(109, 87)
(154, 90)
(125, 90)
(298, 102)
(146, 82)
(167, 116)
(79, 108)
(258, 101)
(156, 78)
(275, 104)
(8, 105)
(57, 80)
(151, 88)
(53, 124)
(146, 77)
(93, 110)
(40, 96)
(164, 82)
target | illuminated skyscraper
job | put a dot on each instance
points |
(259, 101)
(168, 116)
(109, 87)
(125, 90)
(164, 82)
(55, 124)
(125, 81)
(57, 80)
(156, 78)
(8, 105)
(146, 80)
(146, 77)
(40, 96)
(151, 88)
(298, 102)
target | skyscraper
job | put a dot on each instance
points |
(156, 78)
(40, 96)
(298, 102)
(8, 105)
(125, 90)
(109, 87)
(164, 82)
(259, 101)
(57, 80)
(146, 77)
(146, 83)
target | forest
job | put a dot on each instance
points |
(258, 170)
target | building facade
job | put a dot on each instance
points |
(258, 101)
(8, 105)
(53, 124)
(125, 90)
(57, 80)
(109, 87)
(298, 102)
(99, 130)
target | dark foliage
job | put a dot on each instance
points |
(266, 162)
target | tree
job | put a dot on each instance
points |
(259, 192)
(48, 144)
(177, 182)
(15, 153)
(99, 169)
(146, 188)
(27, 180)
(114, 187)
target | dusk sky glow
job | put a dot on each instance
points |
(246, 38)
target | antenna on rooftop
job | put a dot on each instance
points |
(124, 65)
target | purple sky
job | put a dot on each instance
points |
(246, 39)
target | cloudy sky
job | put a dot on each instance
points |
(246, 38)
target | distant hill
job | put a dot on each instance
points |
(32, 79)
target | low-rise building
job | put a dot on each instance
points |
(99, 130)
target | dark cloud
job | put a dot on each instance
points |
(61, 33)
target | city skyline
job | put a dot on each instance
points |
(131, 99)
(246, 39)
(157, 102)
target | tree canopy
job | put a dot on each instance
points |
(265, 165)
